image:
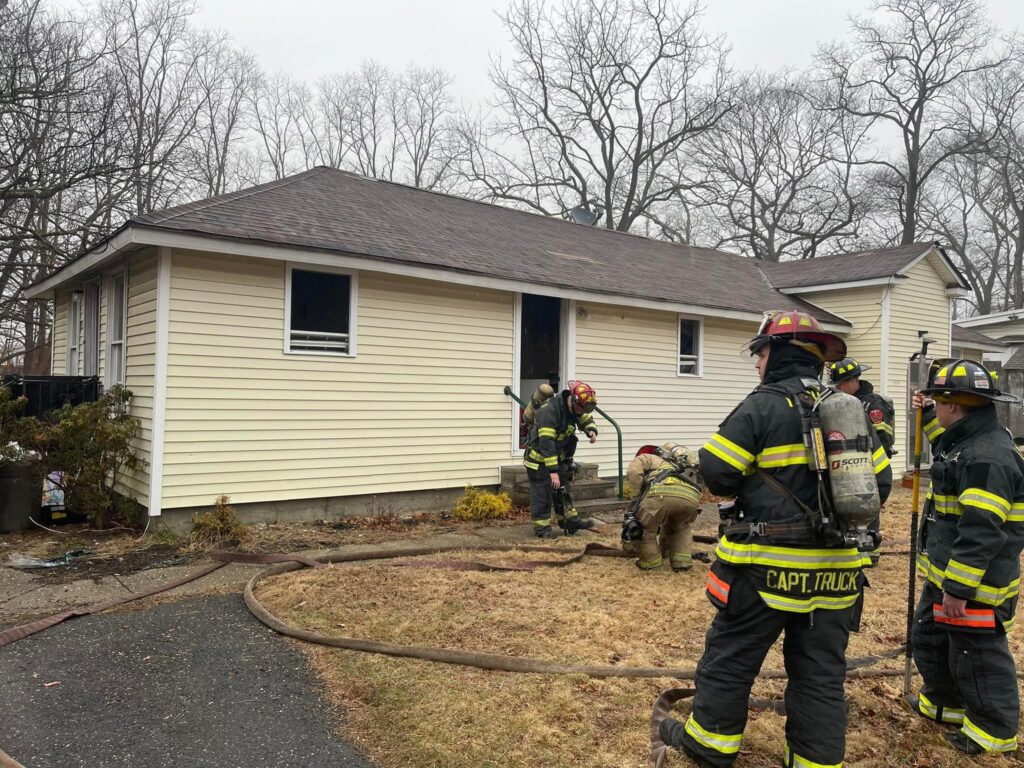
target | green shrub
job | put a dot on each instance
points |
(90, 444)
(475, 504)
(219, 525)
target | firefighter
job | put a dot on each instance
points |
(969, 551)
(777, 569)
(551, 437)
(846, 377)
(660, 522)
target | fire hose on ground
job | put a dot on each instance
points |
(284, 563)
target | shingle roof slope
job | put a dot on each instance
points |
(861, 265)
(331, 210)
(970, 336)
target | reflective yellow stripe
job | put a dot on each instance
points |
(794, 759)
(984, 593)
(732, 454)
(933, 429)
(1016, 512)
(982, 499)
(1008, 624)
(531, 464)
(550, 461)
(946, 505)
(546, 432)
(987, 740)
(542, 523)
(965, 574)
(883, 427)
(880, 460)
(726, 743)
(790, 557)
(949, 714)
(782, 456)
(807, 604)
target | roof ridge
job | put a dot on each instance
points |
(241, 194)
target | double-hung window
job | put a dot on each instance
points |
(320, 312)
(117, 322)
(690, 342)
(74, 332)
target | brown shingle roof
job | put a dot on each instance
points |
(844, 267)
(967, 336)
(1016, 361)
(330, 210)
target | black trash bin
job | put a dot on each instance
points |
(20, 495)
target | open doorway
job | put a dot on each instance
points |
(541, 347)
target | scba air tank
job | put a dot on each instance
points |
(848, 456)
(540, 395)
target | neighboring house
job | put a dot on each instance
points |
(1007, 328)
(306, 344)
(969, 344)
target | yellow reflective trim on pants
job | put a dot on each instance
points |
(807, 604)
(732, 454)
(790, 557)
(782, 456)
(792, 759)
(982, 499)
(989, 742)
(952, 715)
(726, 743)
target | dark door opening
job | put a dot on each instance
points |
(540, 345)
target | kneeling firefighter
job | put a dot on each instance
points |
(548, 456)
(808, 474)
(659, 523)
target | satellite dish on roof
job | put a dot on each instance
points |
(583, 215)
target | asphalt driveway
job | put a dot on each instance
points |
(198, 682)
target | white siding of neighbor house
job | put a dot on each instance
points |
(967, 353)
(140, 366)
(630, 356)
(419, 407)
(917, 303)
(1002, 329)
(61, 306)
(863, 308)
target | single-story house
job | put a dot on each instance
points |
(307, 344)
(1006, 330)
(970, 344)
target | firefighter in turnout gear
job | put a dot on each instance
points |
(551, 441)
(969, 550)
(777, 570)
(660, 522)
(846, 377)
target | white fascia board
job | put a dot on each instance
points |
(961, 293)
(438, 274)
(951, 271)
(105, 252)
(836, 286)
(995, 317)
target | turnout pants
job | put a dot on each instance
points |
(970, 678)
(815, 658)
(543, 499)
(668, 531)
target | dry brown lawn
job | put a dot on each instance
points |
(411, 713)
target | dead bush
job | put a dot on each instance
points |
(218, 526)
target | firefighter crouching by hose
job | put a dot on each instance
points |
(969, 550)
(659, 523)
(552, 436)
(786, 561)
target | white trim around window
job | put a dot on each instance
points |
(299, 342)
(74, 328)
(117, 315)
(694, 360)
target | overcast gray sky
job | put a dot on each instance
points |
(311, 38)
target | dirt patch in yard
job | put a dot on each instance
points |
(602, 611)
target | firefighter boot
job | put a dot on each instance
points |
(544, 532)
(672, 734)
(964, 743)
(573, 522)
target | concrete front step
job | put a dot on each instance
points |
(513, 474)
(582, 490)
(609, 510)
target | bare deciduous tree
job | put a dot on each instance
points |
(900, 71)
(599, 106)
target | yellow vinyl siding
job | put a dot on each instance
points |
(61, 306)
(863, 308)
(140, 368)
(918, 303)
(419, 407)
(630, 356)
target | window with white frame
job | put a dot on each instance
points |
(91, 323)
(117, 322)
(74, 332)
(320, 312)
(690, 330)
